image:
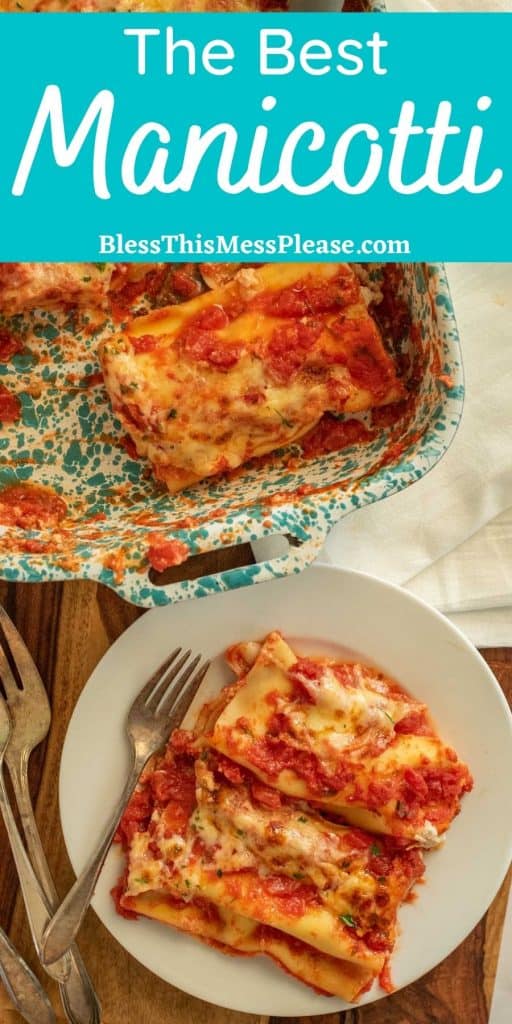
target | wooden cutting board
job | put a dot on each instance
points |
(68, 627)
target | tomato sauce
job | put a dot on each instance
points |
(379, 865)
(94, 380)
(116, 562)
(231, 771)
(173, 781)
(204, 346)
(358, 840)
(378, 942)
(34, 547)
(368, 371)
(144, 343)
(332, 435)
(10, 344)
(185, 284)
(303, 671)
(309, 297)
(136, 816)
(213, 318)
(265, 796)
(290, 896)
(31, 506)
(182, 742)
(117, 894)
(431, 791)
(163, 553)
(10, 406)
(129, 447)
(392, 313)
(387, 415)
(416, 723)
(125, 296)
(289, 347)
(273, 754)
(170, 787)
(385, 980)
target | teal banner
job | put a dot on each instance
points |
(235, 137)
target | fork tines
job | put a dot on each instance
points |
(17, 667)
(172, 688)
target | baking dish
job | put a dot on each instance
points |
(67, 439)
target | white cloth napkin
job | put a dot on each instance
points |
(420, 538)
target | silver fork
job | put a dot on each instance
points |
(158, 709)
(30, 715)
(21, 984)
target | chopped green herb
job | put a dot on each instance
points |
(141, 881)
(187, 883)
(86, 280)
(298, 875)
(346, 864)
(348, 920)
(375, 850)
(302, 819)
(382, 880)
(204, 755)
(219, 873)
(171, 415)
(283, 419)
(240, 832)
(392, 720)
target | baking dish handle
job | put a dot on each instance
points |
(304, 543)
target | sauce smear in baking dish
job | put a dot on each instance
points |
(10, 407)
(163, 552)
(31, 507)
(10, 344)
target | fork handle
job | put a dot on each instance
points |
(22, 985)
(36, 904)
(77, 993)
(65, 923)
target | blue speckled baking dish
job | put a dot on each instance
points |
(69, 440)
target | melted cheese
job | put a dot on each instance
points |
(45, 285)
(238, 854)
(351, 725)
(28, 285)
(201, 387)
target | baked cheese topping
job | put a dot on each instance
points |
(245, 848)
(346, 737)
(252, 365)
(46, 285)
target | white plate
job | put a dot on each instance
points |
(386, 626)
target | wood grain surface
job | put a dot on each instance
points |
(68, 627)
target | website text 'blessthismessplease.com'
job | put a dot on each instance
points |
(182, 246)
